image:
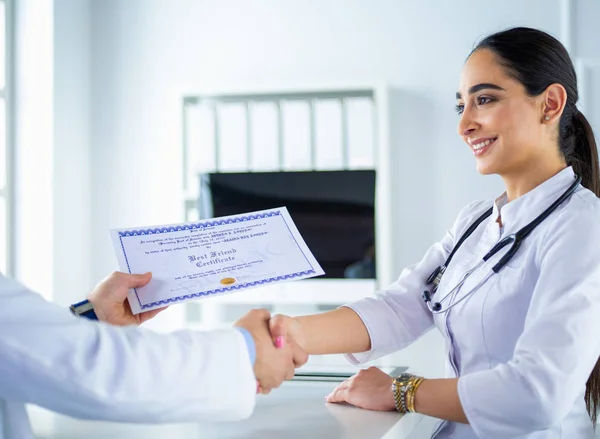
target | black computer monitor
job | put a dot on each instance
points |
(333, 210)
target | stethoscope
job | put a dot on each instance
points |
(516, 239)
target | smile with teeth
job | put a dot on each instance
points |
(478, 148)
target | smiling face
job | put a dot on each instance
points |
(498, 120)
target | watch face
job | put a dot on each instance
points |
(404, 377)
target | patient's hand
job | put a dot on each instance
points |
(369, 389)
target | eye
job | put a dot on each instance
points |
(482, 100)
(460, 108)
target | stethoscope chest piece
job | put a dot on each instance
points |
(436, 277)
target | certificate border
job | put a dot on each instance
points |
(203, 225)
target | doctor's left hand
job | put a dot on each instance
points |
(369, 389)
(110, 299)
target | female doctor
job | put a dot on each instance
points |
(521, 320)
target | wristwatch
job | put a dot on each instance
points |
(84, 309)
(400, 385)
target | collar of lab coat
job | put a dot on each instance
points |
(518, 213)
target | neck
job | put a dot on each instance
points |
(523, 181)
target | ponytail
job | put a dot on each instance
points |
(584, 156)
(592, 393)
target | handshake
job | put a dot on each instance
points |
(279, 341)
(279, 347)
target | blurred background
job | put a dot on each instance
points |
(128, 113)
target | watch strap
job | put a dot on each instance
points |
(84, 309)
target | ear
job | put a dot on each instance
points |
(554, 101)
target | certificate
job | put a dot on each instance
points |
(213, 257)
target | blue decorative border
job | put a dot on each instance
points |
(203, 225)
(223, 290)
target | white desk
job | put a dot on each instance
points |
(297, 410)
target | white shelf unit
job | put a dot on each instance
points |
(296, 129)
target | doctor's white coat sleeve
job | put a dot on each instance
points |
(93, 370)
(397, 316)
(560, 343)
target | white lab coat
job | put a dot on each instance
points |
(525, 343)
(92, 370)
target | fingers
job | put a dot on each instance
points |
(289, 327)
(278, 332)
(278, 323)
(299, 357)
(138, 280)
(255, 320)
(340, 393)
(277, 353)
(368, 389)
(260, 314)
(130, 280)
(282, 367)
(295, 357)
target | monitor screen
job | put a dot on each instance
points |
(333, 210)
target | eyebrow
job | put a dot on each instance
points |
(479, 87)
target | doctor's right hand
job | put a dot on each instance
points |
(277, 355)
(280, 323)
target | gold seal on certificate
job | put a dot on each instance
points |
(227, 281)
(217, 256)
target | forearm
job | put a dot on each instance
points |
(340, 331)
(439, 398)
(85, 369)
(103, 379)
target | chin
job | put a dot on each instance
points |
(486, 168)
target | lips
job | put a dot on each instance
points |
(482, 145)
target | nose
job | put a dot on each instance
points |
(467, 123)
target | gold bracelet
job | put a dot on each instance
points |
(404, 388)
(411, 394)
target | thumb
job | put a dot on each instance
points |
(278, 330)
(138, 280)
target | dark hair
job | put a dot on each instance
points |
(538, 60)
